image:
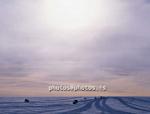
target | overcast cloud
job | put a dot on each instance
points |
(28, 46)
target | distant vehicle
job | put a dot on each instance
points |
(26, 100)
(75, 101)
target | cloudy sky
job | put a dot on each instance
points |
(101, 41)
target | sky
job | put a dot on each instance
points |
(74, 41)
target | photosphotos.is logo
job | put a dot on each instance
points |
(75, 88)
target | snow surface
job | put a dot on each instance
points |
(64, 105)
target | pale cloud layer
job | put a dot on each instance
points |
(32, 52)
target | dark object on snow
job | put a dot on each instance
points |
(26, 101)
(75, 101)
(95, 98)
(85, 98)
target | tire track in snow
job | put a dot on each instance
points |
(101, 105)
(87, 106)
(131, 106)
